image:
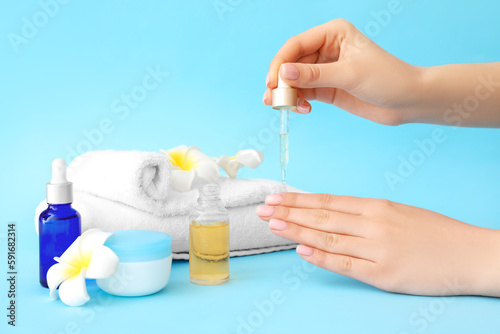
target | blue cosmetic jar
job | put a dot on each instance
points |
(145, 262)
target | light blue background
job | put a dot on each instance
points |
(63, 82)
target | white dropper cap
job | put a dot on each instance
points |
(281, 83)
(59, 190)
(284, 97)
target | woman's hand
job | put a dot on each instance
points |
(395, 247)
(335, 63)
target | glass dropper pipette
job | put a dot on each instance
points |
(284, 98)
(283, 142)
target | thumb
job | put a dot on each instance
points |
(301, 75)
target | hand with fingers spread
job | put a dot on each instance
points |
(336, 64)
(395, 247)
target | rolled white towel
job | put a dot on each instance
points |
(248, 233)
(135, 178)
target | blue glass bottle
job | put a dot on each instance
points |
(59, 225)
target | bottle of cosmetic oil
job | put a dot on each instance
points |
(59, 225)
(209, 239)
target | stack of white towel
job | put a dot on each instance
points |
(115, 190)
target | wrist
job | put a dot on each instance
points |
(486, 280)
(418, 97)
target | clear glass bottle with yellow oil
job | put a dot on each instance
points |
(209, 239)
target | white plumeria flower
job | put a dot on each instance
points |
(249, 158)
(189, 162)
(87, 257)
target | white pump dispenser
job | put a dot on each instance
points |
(59, 190)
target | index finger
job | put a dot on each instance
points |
(346, 204)
(302, 45)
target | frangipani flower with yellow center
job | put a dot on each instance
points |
(249, 158)
(188, 163)
(87, 257)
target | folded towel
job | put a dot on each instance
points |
(138, 179)
(248, 234)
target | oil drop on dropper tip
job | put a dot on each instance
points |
(284, 98)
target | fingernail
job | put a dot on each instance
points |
(277, 224)
(304, 250)
(303, 109)
(289, 71)
(265, 211)
(267, 79)
(273, 199)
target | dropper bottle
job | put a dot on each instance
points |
(59, 225)
(209, 239)
(284, 98)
